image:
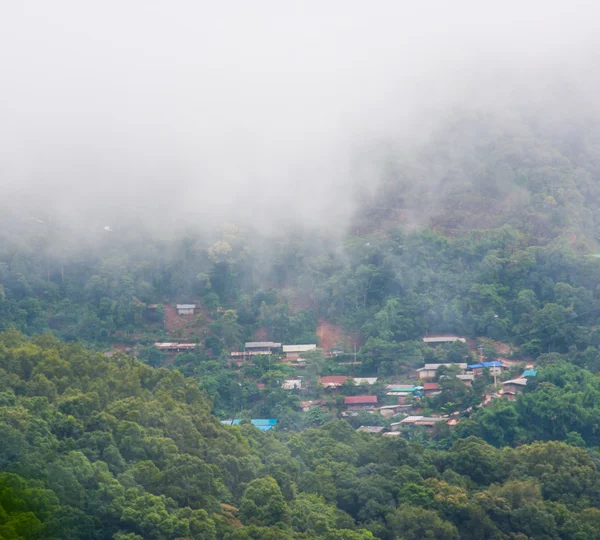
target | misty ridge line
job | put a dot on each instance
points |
(279, 118)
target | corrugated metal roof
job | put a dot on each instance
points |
(263, 424)
(333, 380)
(371, 429)
(529, 373)
(262, 344)
(299, 348)
(494, 363)
(443, 339)
(186, 306)
(521, 381)
(428, 367)
(359, 400)
(365, 380)
(290, 384)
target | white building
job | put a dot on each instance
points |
(293, 352)
(186, 309)
(428, 371)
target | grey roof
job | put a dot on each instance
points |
(428, 367)
(299, 348)
(521, 381)
(186, 306)
(371, 429)
(443, 339)
(262, 344)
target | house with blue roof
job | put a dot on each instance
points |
(495, 366)
(264, 424)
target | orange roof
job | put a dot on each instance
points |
(359, 400)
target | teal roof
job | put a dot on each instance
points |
(530, 373)
(264, 424)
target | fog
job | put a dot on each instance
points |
(256, 111)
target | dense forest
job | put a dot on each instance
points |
(111, 448)
(485, 232)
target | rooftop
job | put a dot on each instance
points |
(431, 386)
(264, 424)
(262, 344)
(529, 373)
(299, 348)
(494, 363)
(521, 381)
(360, 400)
(311, 403)
(365, 380)
(428, 367)
(290, 384)
(371, 429)
(334, 380)
(443, 339)
(186, 306)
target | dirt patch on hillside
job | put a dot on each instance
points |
(261, 334)
(185, 326)
(331, 336)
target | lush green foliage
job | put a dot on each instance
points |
(110, 448)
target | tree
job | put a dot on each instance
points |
(414, 523)
(263, 503)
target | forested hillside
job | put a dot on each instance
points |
(113, 449)
(486, 233)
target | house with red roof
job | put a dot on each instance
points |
(354, 403)
(333, 381)
(431, 388)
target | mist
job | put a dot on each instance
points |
(264, 113)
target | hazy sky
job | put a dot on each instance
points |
(221, 108)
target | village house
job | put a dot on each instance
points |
(364, 380)
(387, 411)
(290, 384)
(186, 309)
(293, 352)
(174, 347)
(441, 340)
(307, 405)
(404, 391)
(371, 429)
(252, 348)
(263, 424)
(496, 367)
(355, 403)
(467, 378)
(431, 389)
(511, 388)
(428, 371)
(333, 381)
(423, 421)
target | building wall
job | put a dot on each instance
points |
(427, 374)
(359, 406)
(185, 311)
